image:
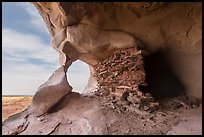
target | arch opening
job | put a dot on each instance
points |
(78, 75)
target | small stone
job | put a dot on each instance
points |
(41, 119)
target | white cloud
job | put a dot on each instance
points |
(36, 19)
(20, 74)
(23, 46)
(27, 61)
(23, 78)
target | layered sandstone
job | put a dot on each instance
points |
(114, 39)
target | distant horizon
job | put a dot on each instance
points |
(16, 95)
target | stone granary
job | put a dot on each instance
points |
(138, 52)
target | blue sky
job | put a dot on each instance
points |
(27, 57)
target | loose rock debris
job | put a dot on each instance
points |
(119, 78)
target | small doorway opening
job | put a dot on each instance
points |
(161, 80)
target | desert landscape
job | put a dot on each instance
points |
(14, 104)
(145, 72)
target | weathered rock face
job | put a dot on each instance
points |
(122, 70)
(119, 78)
(93, 31)
(113, 38)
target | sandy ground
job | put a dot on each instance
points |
(85, 115)
(14, 104)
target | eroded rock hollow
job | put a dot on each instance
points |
(114, 39)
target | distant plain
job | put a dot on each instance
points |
(14, 104)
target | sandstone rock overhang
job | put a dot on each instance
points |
(91, 32)
(101, 33)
